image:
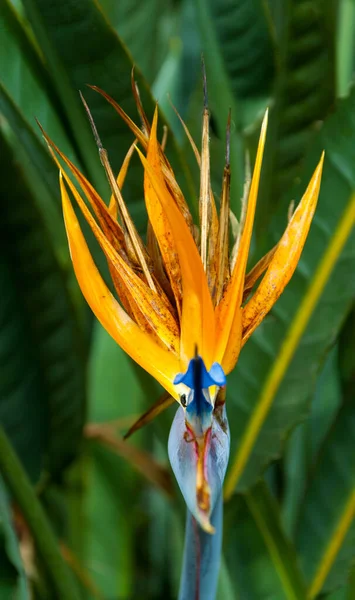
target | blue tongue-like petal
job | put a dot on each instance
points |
(215, 376)
(184, 457)
(199, 442)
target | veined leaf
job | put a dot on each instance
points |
(26, 80)
(138, 25)
(276, 372)
(304, 96)
(261, 561)
(42, 174)
(326, 528)
(26, 134)
(13, 580)
(49, 385)
(304, 443)
(245, 40)
(100, 59)
(221, 100)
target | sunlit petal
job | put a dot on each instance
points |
(228, 312)
(160, 363)
(257, 271)
(197, 317)
(285, 259)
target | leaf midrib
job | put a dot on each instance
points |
(331, 551)
(290, 344)
(273, 549)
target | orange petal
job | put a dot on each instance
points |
(197, 318)
(285, 259)
(139, 105)
(162, 232)
(110, 227)
(153, 307)
(228, 312)
(113, 208)
(212, 262)
(160, 363)
(257, 271)
(133, 127)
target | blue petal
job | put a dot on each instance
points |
(215, 376)
(183, 460)
(188, 377)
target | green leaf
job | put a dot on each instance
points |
(262, 562)
(226, 590)
(42, 174)
(304, 443)
(13, 580)
(346, 356)
(40, 158)
(113, 508)
(100, 59)
(62, 582)
(245, 42)
(43, 399)
(144, 28)
(26, 80)
(326, 527)
(275, 376)
(345, 46)
(304, 95)
(221, 100)
(20, 379)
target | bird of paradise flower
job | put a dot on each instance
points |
(185, 305)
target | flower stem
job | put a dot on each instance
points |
(202, 554)
(47, 545)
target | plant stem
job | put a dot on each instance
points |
(202, 555)
(47, 545)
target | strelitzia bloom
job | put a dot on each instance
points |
(183, 305)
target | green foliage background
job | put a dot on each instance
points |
(116, 510)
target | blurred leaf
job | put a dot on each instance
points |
(50, 394)
(276, 372)
(296, 463)
(262, 563)
(346, 592)
(221, 100)
(109, 528)
(190, 66)
(346, 356)
(20, 379)
(345, 46)
(225, 590)
(140, 460)
(245, 41)
(42, 175)
(304, 96)
(113, 508)
(326, 528)
(144, 28)
(325, 403)
(26, 79)
(29, 140)
(304, 443)
(13, 581)
(100, 59)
